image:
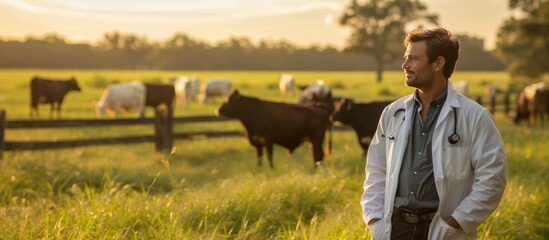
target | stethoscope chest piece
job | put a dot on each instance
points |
(454, 138)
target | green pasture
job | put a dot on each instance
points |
(213, 188)
(15, 93)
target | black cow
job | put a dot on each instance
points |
(157, 95)
(288, 125)
(362, 117)
(50, 91)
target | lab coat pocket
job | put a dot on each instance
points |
(377, 230)
(456, 162)
(449, 231)
(441, 230)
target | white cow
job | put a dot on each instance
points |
(186, 89)
(125, 96)
(286, 85)
(215, 88)
(318, 91)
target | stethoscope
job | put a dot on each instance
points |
(452, 139)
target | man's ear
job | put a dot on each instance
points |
(439, 63)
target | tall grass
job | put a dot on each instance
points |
(213, 188)
(230, 199)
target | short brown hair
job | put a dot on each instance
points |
(440, 42)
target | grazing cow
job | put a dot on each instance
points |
(286, 85)
(186, 89)
(214, 88)
(125, 96)
(288, 125)
(362, 117)
(316, 92)
(533, 102)
(159, 95)
(50, 91)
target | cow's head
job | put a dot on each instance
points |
(342, 107)
(73, 85)
(229, 108)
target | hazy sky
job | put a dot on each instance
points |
(301, 22)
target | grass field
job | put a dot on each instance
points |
(213, 188)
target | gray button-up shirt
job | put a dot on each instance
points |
(416, 184)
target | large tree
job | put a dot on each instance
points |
(378, 27)
(523, 42)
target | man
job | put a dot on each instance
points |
(436, 167)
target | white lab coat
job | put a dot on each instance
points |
(470, 176)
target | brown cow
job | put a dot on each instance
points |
(159, 95)
(50, 91)
(288, 125)
(533, 102)
(362, 117)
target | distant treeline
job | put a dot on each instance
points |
(181, 52)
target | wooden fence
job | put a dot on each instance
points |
(163, 131)
(505, 103)
(163, 128)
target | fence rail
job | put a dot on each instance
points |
(499, 102)
(162, 122)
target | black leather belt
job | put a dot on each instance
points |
(412, 217)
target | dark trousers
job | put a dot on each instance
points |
(405, 230)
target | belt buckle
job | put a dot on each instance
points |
(411, 218)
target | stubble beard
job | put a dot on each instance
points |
(411, 81)
(419, 82)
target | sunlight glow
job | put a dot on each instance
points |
(329, 20)
(300, 21)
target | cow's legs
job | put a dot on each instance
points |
(270, 154)
(116, 111)
(318, 154)
(59, 110)
(532, 119)
(140, 112)
(34, 111)
(259, 150)
(52, 108)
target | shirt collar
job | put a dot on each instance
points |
(439, 101)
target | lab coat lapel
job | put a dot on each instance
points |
(401, 138)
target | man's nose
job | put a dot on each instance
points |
(405, 65)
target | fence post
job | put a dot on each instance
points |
(158, 130)
(2, 131)
(163, 130)
(168, 133)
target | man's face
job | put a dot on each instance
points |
(419, 73)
